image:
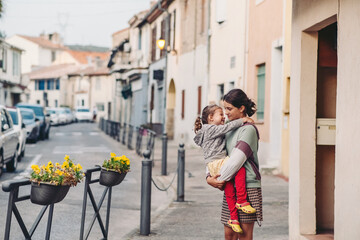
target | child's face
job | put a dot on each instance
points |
(217, 118)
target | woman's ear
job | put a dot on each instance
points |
(242, 109)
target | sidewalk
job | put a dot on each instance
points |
(199, 216)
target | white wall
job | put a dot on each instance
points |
(30, 55)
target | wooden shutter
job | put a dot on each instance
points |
(199, 101)
(182, 104)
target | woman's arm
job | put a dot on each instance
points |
(215, 131)
(214, 182)
(240, 153)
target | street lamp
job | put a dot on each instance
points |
(161, 43)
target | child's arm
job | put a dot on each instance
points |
(220, 130)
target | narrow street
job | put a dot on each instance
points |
(87, 145)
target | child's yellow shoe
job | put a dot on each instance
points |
(246, 208)
(235, 225)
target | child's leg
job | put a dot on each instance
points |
(240, 183)
(241, 193)
(231, 199)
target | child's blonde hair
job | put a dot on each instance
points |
(206, 112)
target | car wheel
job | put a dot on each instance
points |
(1, 164)
(23, 153)
(42, 134)
(11, 166)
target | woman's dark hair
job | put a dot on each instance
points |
(206, 112)
(238, 98)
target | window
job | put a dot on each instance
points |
(82, 102)
(57, 84)
(232, 62)
(203, 9)
(41, 84)
(4, 60)
(4, 120)
(173, 29)
(139, 39)
(153, 44)
(37, 101)
(260, 92)
(220, 91)
(231, 85)
(50, 84)
(53, 56)
(98, 84)
(182, 104)
(199, 101)
(100, 107)
(16, 64)
(56, 103)
(162, 36)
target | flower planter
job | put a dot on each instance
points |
(45, 193)
(111, 178)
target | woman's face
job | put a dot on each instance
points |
(233, 112)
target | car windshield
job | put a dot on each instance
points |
(38, 110)
(83, 110)
(27, 115)
(51, 111)
(14, 117)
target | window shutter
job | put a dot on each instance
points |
(261, 92)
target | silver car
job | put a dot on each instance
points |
(19, 126)
(9, 142)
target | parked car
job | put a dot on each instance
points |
(83, 114)
(32, 124)
(21, 128)
(40, 114)
(9, 142)
(54, 116)
(69, 115)
(61, 115)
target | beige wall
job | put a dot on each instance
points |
(228, 41)
(347, 167)
(308, 18)
(286, 89)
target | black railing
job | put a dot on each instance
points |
(13, 186)
(96, 207)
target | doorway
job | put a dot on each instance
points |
(170, 108)
(326, 110)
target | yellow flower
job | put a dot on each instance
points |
(65, 165)
(117, 158)
(47, 169)
(50, 164)
(112, 154)
(58, 172)
(57, 165)
(78, 167)
(35, 168)
(66, 157)
(128, 162)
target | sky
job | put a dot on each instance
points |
(84, 22)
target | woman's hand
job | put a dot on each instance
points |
(212, 181)
(247, 119)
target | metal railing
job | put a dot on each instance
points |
(96, 207)
(13, 186)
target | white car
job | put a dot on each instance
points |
(21, 128)
(54, 116)
(83, 114)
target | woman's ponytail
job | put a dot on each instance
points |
(250, 107)
(198, 124)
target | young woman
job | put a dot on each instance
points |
(242, 143)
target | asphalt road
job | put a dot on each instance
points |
(87, 145)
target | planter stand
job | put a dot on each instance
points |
(13, 187)
(96, 207)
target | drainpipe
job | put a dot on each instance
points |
(246, 47)
(207, 78)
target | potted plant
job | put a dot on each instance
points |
(51, 183)
(114, 170)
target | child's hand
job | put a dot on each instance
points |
(247, 119)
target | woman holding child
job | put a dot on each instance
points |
(242, 147)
